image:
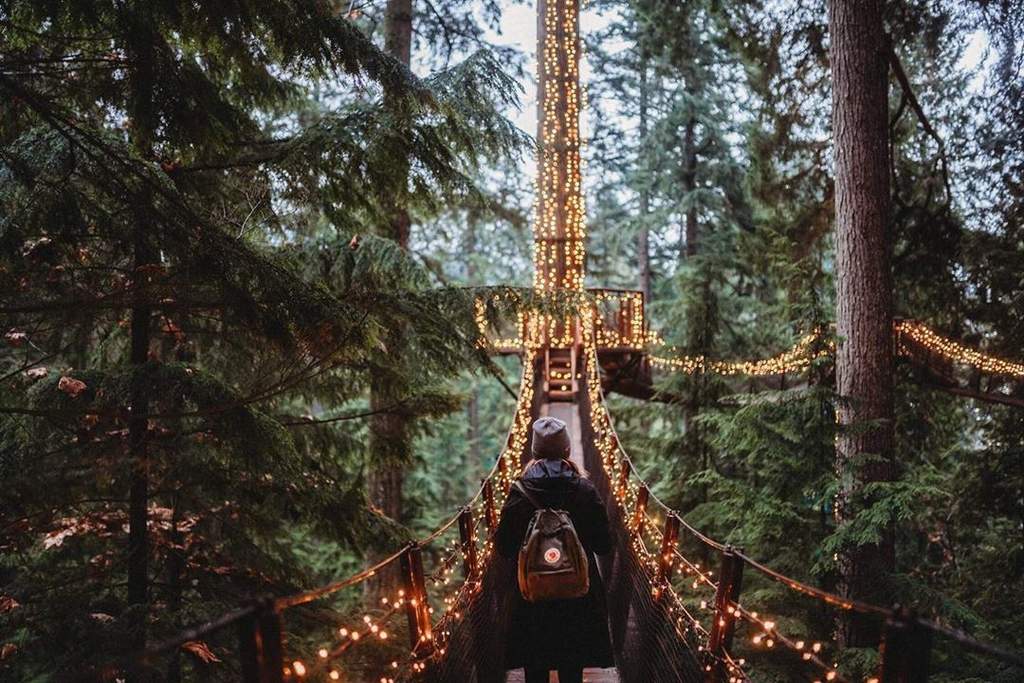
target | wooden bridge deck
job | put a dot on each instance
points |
(589, 676)
(569, 413)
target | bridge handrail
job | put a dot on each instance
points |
(824, 596)
(285, 602)
(957, 635)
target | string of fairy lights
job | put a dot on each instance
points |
(913, 340)
(374, 627)
(764, 632)
(559, 233)
(911, 332)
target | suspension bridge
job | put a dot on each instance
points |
(675, 595)
(677, 606)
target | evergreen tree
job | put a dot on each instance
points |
(173, 347)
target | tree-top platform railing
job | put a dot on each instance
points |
(617, 315)
(940, 361)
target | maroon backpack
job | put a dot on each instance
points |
(552, 562)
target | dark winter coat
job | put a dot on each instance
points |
(560, 632)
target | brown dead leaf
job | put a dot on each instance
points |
(16, 338)
(7, 603)
(7, 650)
(201, 651)
(36, 373)
(71, 386)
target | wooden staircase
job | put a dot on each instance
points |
(561, 376)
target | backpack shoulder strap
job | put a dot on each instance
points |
(529, 496)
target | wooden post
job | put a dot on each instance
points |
(260, 650)
(640, 511)
(417, 608)
(490, 514)
(250, 649)
(730, 582)
(260, 647)
(469, 566)
(666, 560)
(905, 649)
(627, 469)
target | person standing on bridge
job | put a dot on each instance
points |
(566, 635)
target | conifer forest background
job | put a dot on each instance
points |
(240, 244)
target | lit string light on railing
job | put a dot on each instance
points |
(686, 625)
(501, 477)
(617, 315)
(951, 350)
(559, 231)
(767, 635)
(487, 501)
(794, 359)
(812, 346)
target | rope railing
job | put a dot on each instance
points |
(637, 500)
(912, 339)
(259, 624)
(652, 531)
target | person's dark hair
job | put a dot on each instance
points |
(575, 468)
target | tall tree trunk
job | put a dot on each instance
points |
(692, 230)
(643, 247)
(390, 442)
(474, 466)
(864, 361)
(143, 119)
(138, 542)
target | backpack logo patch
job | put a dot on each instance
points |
(552, 555)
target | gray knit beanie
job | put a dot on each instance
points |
(550, 439)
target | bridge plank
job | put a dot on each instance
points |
(589, 676)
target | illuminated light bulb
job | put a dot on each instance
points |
(299, 667)
(343, 632)
(355, 635)
(334, 675)
(816, 647)
(322, 652)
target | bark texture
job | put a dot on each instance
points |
(864, 358)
